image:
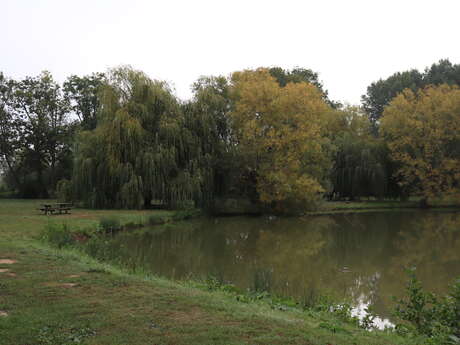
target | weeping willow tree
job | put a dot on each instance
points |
(208, 117)
(144, 148)
(359, 168)
(361, 161)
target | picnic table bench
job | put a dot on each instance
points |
(58, 208)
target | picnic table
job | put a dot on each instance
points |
(57, 208)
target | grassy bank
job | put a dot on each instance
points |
(51, 296)
(331, 207)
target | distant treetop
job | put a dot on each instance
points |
(380, 93)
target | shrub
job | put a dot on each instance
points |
(64, 190)
(433, 316)
(58, 235)
(156, 220)
(97, 247)
(186, 214)
(109, 224)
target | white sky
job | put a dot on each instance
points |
(350, 43)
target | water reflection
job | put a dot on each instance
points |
(359, 257)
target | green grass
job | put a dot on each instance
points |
(330, 207)
(109, 305)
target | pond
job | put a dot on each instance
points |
(358, 257)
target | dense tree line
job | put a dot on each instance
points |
(271, 136)
(380, 93)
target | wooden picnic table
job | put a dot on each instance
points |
(57, 208)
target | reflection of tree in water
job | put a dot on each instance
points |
(291, 251)
(429, 241)
(358, 256)
(432, 246)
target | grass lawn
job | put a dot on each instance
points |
(50, 296)
(329, 207)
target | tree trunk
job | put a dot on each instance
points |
(424, 203)
(148, 201)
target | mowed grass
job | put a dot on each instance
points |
(51, 296)
(22, 219)
(329, 207)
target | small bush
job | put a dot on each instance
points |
(186, 214)
(64, 190)
(344, 312)
(156, 220)
(262, 280)
(96, 247)
(58, 235)
(109, 224)
(433, 316)
(214, 283)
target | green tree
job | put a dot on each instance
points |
(82, 92)
(37, 112)
(443, 72)
(380, 93)
(207, 116)
(301, 75)
(279, 133)
(422, 131)
(10, 140)
(360, 160)
(141, 149)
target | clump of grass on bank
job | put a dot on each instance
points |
(186, 214)
(58, 235)
(322, 304)
(110, 224)
(157, 220)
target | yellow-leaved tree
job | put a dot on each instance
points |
(423, 134)
(279, 132)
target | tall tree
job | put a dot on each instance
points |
(380, 93)
(301, 75)
(423, 134)
(141, 149)
(443, 72)
(279, 133)
(10, 139)
(207, 116)
(82, 93)
(37, 112)
(359, 168)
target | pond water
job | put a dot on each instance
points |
(357, 257)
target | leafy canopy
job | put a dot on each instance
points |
(141, 149)
(279, 131)
(379, 94)
(422, 131)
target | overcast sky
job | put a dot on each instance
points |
(350, 43)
